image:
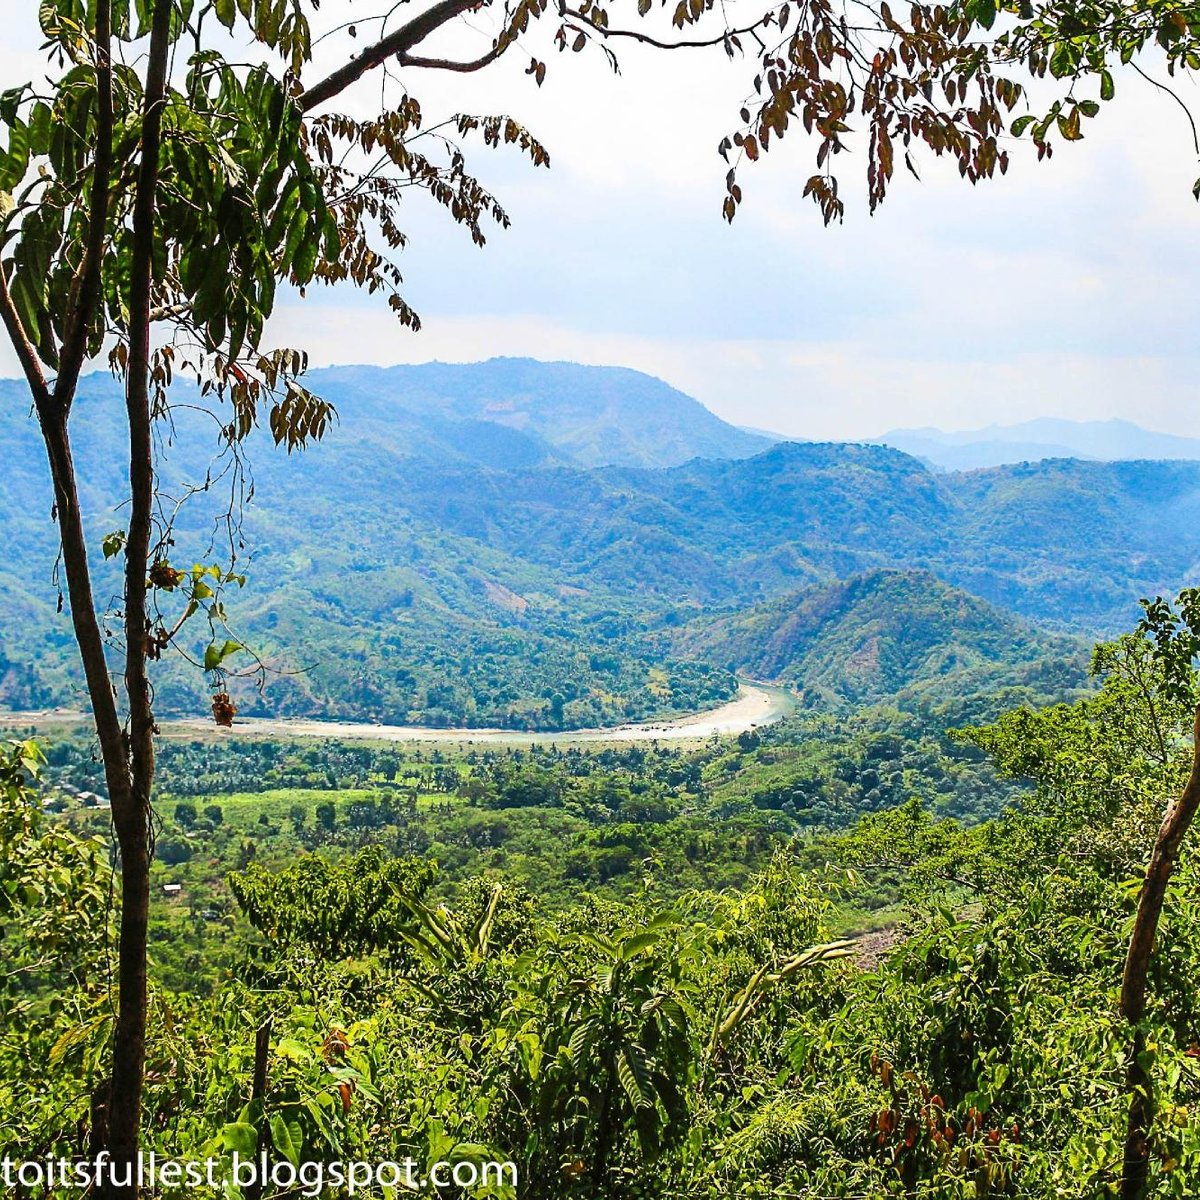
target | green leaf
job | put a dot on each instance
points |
(226, 12)
(240, 1138)
(215, 655)
(281, 1137)
(1062, 61)
(982, 12)
(636, 944)
(1107, 87)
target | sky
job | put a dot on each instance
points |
(1066, 289)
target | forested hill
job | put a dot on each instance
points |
(388, 580)
(872, 636)
(516, 412)
(1066, 543)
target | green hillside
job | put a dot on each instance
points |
(396, 582)
(872, 636)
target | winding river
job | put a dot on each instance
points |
(755, 704)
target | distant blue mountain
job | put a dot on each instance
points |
(519, 412)
(1032, 441)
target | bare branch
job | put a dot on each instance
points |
(442, 64)
(169, 312)
(396, 44)
(1187, 112)
(646, 39)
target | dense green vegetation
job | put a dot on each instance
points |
(556, 819)
(617, 967)
(443, 593)
(887, 633)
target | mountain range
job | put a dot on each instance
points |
(1031, 441)
(517, 412)
(409, 574)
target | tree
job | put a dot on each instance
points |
(154, 195)
(1176, 641)
(1102, 768)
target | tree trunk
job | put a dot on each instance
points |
(130, 819)
(258, 1091)
(133, 824)
(1137, 964)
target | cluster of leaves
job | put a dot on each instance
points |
(54, 932)
(716, 1043)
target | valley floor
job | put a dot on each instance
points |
(755, 705)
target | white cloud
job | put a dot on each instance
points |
(1067, 288)
(845, 389)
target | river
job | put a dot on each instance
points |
(755, 704)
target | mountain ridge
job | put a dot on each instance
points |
(392, 585)
(1041, 438)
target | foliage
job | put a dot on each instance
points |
(151, 208)
(619, 573)
(703, 1042)
(54, 982)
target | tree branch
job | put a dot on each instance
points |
(132, 816)
(396, 44)
(647, 40)
(1187, 112)
(443, 64)
(137, 402)
(24, 347)
(85, 288)
(1167, 844)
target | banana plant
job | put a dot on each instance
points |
(747, 1000)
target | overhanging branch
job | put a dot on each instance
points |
(721, 40)
(395, 45)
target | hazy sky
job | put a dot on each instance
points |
(1066, 289)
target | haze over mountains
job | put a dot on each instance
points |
(1030, 441)
(517, 412)
(487, 545)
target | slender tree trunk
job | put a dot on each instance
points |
(1137, 964)
(133, 823)
(129, 819)
(258, 1091)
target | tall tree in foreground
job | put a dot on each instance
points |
(1176, 639)
(154, 195)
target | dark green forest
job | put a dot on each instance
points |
(493, 923)
(851, 953)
